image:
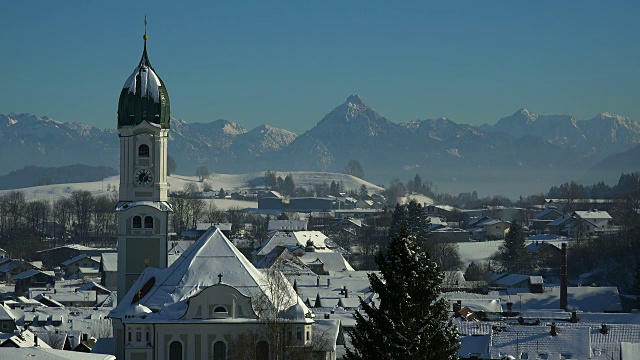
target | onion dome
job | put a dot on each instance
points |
(144, 96)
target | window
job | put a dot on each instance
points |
(299, 335)
(175, 350)
(219, 351)
(137, 222)
(143, 151)
(262, 350)
(148, 222)
(220, 309)
(147, 336)
(138, 336)
(129, 336)
(308, 336)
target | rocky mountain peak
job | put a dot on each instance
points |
(355, 100)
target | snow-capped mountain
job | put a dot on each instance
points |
(518, 149)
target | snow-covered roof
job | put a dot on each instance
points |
(584, 298)
(160, 205)
(285, 238)
(593, 215)
(332, 261)
(43, 353)
(196, 269)
(561, 220)
(511, 280)
(31, 272)
(109, 261)
(78, 258)
(287, 225)
(545, 212)
(571, 342)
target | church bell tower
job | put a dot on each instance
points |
(142, 209)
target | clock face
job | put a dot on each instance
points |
(143, 177)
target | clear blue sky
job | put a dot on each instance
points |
(288, 63)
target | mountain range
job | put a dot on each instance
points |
(520, 154)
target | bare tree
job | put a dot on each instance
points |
(202, 172)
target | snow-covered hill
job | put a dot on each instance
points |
(228, 182)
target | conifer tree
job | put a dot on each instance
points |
(636, 279)
(410, 320)
(513, 254)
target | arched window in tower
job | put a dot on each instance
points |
(148, 222)
(219, 351)
(143, 151)
(137, 222)
(175, 350)
(262, 350)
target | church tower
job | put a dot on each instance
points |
(142, 209)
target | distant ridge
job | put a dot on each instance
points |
(35, 175)
(519, 154)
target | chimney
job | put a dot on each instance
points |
(604, 329)
(574, 316)
(35, 340)
(318, 281)
(328, 282)
(457, 306)
(563, 279)
(85, 337)
(346, 292)
(327, 316)
(553, 329)
(509, 309)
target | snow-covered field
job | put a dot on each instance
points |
(478, 251)
(228, 182)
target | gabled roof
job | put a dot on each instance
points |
(561, 220)
(109, 262)
(31, 272)
(593, 215)
(195, 270)
(78, 258)
(534, 340)
(546, 212)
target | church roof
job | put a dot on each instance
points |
(144, 96)
(195, 270)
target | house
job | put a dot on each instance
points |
(81, 266)
(488, 228)
(547, 254)
(7, 320)
(54, 256)
(557, 226)
(287, 225)
(600, 219)
(11, 268)
(33, 278)
(109, 271)
(549, 213)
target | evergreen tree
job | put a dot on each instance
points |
(473, 272)
(288, 186)
(411, 320)
(513, 254)
(418, 223)
(417, 184)
(398, 220)
(636, 279)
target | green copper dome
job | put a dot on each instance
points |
(144, 96)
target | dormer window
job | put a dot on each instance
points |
(220, 309)
(143, 151)
(148, 222)
(137, 222)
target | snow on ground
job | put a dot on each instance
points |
(228, 182)
(421, 199)
(478, 251)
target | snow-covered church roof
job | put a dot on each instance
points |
(167, 291)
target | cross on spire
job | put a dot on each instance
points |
(219, 278)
